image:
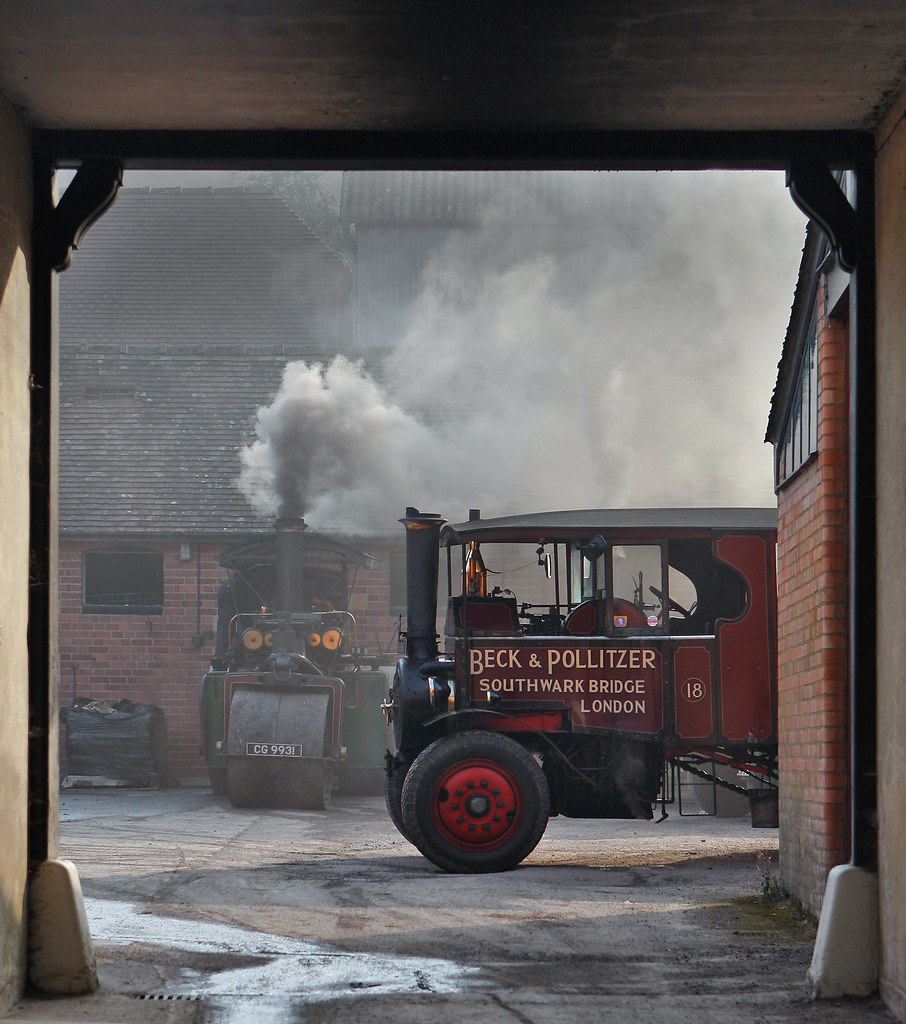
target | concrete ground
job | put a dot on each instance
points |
(204, 913)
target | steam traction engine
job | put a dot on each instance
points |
(591, 660)
(288, 707)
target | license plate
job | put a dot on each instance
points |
(274, 749)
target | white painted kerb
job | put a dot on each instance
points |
(845, 959)
(60, 952)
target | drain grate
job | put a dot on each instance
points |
(176, 997)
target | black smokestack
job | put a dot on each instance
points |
(289, 564)
(422, 531)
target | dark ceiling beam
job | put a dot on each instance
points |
(479, 150)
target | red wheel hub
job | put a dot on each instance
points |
(476, 804)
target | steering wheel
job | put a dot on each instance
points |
(673, 605)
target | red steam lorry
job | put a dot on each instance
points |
(592, 661)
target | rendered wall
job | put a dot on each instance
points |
(811, 616)
(891, 447)
(15, 227)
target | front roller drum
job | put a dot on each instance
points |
(265, 717)
(475, 802)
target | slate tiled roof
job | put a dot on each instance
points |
(814, 250)
(149, 442)
(203, 265)
(176, 320)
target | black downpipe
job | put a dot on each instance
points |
(42, 383)
(852, 235)
(862, 538)
(422, 532)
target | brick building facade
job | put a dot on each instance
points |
(808, 430)
(157, 655)
(178, 316)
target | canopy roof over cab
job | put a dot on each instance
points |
(537, 527)
(317, 546)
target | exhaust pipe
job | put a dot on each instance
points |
(422, 532)
(289, 564)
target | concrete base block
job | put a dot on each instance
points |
(845, 958)
(60, 952)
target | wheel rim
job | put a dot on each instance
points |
(477, 805)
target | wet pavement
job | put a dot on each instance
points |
(208, 914)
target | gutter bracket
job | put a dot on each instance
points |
(89, 195)
(816, 192)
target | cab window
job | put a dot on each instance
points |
(586, 577)
(683, 597)
(638, 597)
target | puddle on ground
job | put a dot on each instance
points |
(275, 973)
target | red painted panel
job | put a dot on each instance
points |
(541, 721)
(693, 692)
(748, 681)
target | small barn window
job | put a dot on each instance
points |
(124, 582)
(800, 437)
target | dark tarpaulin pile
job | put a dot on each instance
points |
(124, 741)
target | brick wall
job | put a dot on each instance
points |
(149, 659)
(160, 659)
(811, 641)
(376, 620)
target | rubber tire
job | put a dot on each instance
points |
(217, 778)
(455, 753)
(393, 796)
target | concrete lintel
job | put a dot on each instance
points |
(845, 958)
(60, 951)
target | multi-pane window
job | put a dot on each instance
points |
(800, 438)
(127, 582)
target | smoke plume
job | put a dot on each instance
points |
(619, 353)
(331, 434)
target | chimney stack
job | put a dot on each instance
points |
(422, 532)
(289, 564)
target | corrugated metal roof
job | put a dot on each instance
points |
(467, 196)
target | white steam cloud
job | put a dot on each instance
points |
(627, 358)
